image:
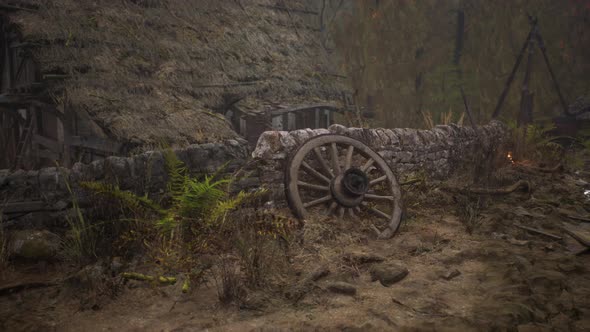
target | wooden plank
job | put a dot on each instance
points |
(47, 154)
(23, 207)
(580, 234)
(331, 107)
(48, 143)
(94, 143)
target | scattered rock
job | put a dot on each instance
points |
(319, 273)
(499, 236)
(342, 288)
(34, 244)
(450, 274)
(362, 257)
(561, 322)
(581, 325)
(569, 267)
(254, 301)
(116, 265)
(388, 274)
(518, 242)
(89, 277)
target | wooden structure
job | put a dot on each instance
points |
(34, 131)
(252, 124)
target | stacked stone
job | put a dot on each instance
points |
(436, 152)
(145, 172)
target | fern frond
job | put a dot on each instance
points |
(128, 199)
(177, 174)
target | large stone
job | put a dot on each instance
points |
(342, 288)
(34, 244)
(388, 274)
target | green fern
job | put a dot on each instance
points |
(128, 199)
(177, 174)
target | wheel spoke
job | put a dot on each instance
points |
(331, 208)
(314, 173)
(340, 212)
(313, 186)
(378, 180)
(377, 211)
(368, 164)
(348, 161)
(317, 201)
(335, 165)
(322, 161)
(379, 197)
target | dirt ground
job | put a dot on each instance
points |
(499, 278)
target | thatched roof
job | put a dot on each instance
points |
(147, 71)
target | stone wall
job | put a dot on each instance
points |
(437, 152)
(42, 195)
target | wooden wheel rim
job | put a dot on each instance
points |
(294, 167)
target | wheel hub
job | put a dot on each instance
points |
(349, 188)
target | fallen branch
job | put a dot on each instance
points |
(142, 277)
(578, 237)
(521, 184)
(538, 231)
(10, 288)
(572, 216)
(555, 169)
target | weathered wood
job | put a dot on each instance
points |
(94, 143)
(47, 154)
(23, 207)
(521, 184)
(534, 230)
(48, 143)
(313, 107)
(580, 235)
(18, 286)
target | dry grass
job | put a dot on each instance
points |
(151, 71)
(445, 119)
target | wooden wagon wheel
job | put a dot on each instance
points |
(344, 177)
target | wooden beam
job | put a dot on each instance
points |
(94, 143)
(23, 207)
(48, 143)
(331, 107)
(47, 154)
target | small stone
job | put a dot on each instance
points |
(116, 265)
(518, 242)
(319, 273)
(561, 322)
(388, 274)
(342, 288)
(450, 274)
(60, 205)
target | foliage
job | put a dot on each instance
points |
(400, 55)
(445, 119)
(468, 211)
(81, 240)
(197, 217)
